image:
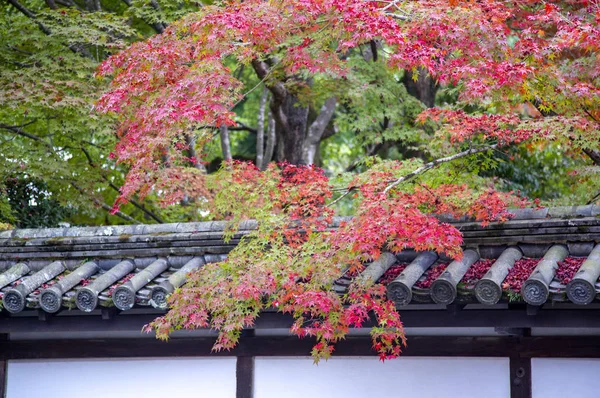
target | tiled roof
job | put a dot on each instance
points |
(540, 256)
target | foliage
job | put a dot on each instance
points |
(179, 80)
(540, 171)
(377, 106)
(496, 55)
(291, 259)
(519, 273)
(164, 99)
(48, 130)
(431, 274)
(31, 205)
(568, 268)
(392, 273)
(476, 272)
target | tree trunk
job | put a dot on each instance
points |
(225, 143)
(316, 130)
(271, 141)
(423, 89)
(260, 130)
(291, 118)
(292, 121)
(296, 142)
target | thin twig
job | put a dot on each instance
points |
(434, 163)
(341, 196)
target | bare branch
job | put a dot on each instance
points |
(342, 196)
(159, 27)
(18, 130)
(104, 206)
(31, 15)
(436, 162)
(116, 188)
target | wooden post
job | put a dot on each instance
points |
(443, 289)
(400, 289)
(535, 288)
(582, 288)
(87, 297)
(124, 295)
(14, 300)
(520, 377)
(3, 369)
(244, 373)
(489, 288)
(3, 378)
(51, 298)
(159, 293)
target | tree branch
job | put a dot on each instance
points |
(243, 127)
(116, 188)
(19, 131)
(190, 140)
(370, 151)
(436, 162)
(159, 27)
(104, 206)
(31, 15)
(262, 71)
(316, 129)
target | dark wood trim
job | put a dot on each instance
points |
(244, 373)
(502, 346)
(520, 377)
(133, 321)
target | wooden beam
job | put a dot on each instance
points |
(134, 320)
(244, 373)
(423, 346)
(520, 377)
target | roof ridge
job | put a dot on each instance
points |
(559, 212)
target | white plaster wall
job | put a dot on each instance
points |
(565, 377)
(127, 378)
(367, 377)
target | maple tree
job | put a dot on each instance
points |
(448, 83)
(495, 55)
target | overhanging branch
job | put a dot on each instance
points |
(432, 164)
